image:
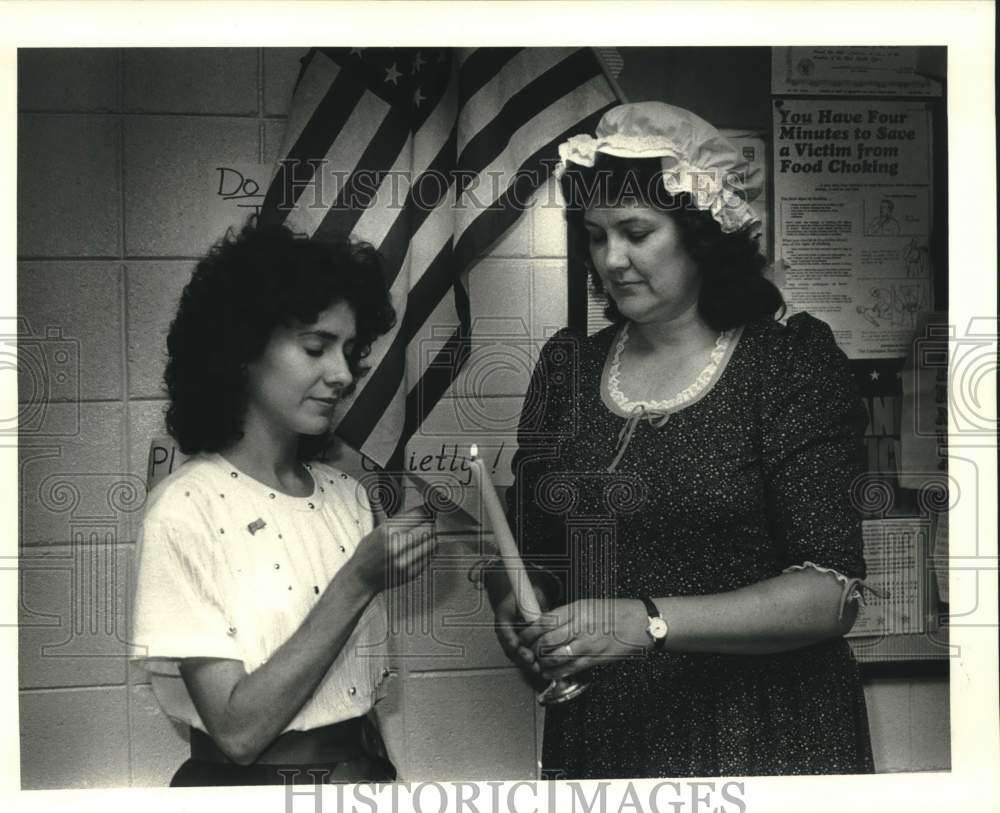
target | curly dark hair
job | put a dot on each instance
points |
(734, 290)
(248, 284)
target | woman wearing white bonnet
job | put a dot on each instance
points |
(686, 474)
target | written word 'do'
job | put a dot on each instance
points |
(234, 185)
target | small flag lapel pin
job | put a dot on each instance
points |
(255, 526)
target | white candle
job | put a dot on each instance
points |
(523, 592)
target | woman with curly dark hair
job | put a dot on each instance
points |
(259, 609)
(686, 475)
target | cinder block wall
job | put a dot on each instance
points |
(111, 217)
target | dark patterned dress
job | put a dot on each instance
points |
(750, 480)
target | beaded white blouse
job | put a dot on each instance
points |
(228, 568)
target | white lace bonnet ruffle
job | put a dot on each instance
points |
(696, 157)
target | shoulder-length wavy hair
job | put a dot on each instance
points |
(734, 290)
(249, 283)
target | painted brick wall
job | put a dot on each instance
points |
(109, 224)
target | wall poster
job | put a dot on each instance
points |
(853, 217)
(891, 70)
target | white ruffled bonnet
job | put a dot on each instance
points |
(696, 158)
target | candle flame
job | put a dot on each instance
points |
(473, 451)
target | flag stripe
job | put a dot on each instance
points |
(434, 383)
(359, 190)
(420, 154)
(432, 159)
(316, 139)
(319, 198)
(491, 98)
(367, 70)
(433, 235)
(438, 85)
(495, 220)
(381, 384)
(483, 232)
(525, 105)
(426, 194)
(437, 377)
(316, 76)
(479, 68)
(564, 115)
(376, 221)
(444, 368)
(314, 143)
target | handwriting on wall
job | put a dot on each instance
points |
(240, 187)
(448, 458)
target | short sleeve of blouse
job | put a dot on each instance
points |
(813, 421)
(177, 611)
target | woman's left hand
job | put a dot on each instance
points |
(585, 633)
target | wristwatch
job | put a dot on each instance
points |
(657, 628)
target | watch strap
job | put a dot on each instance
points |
(654, 612)
(651, 609)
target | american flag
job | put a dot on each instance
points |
(431, 155)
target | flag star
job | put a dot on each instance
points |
(873, 375)
(391, 74)
(418, 97)
(418, 62)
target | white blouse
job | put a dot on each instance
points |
(229, 568)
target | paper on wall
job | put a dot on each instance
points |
(852, 208)
(833, 71)
(924, 415)
(896, 556)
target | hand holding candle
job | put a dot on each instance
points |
(523, 592)
(559, 691)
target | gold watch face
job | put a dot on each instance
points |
(657, 628)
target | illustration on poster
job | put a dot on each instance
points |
(895, 305)
(885, 223)
(915, 257)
